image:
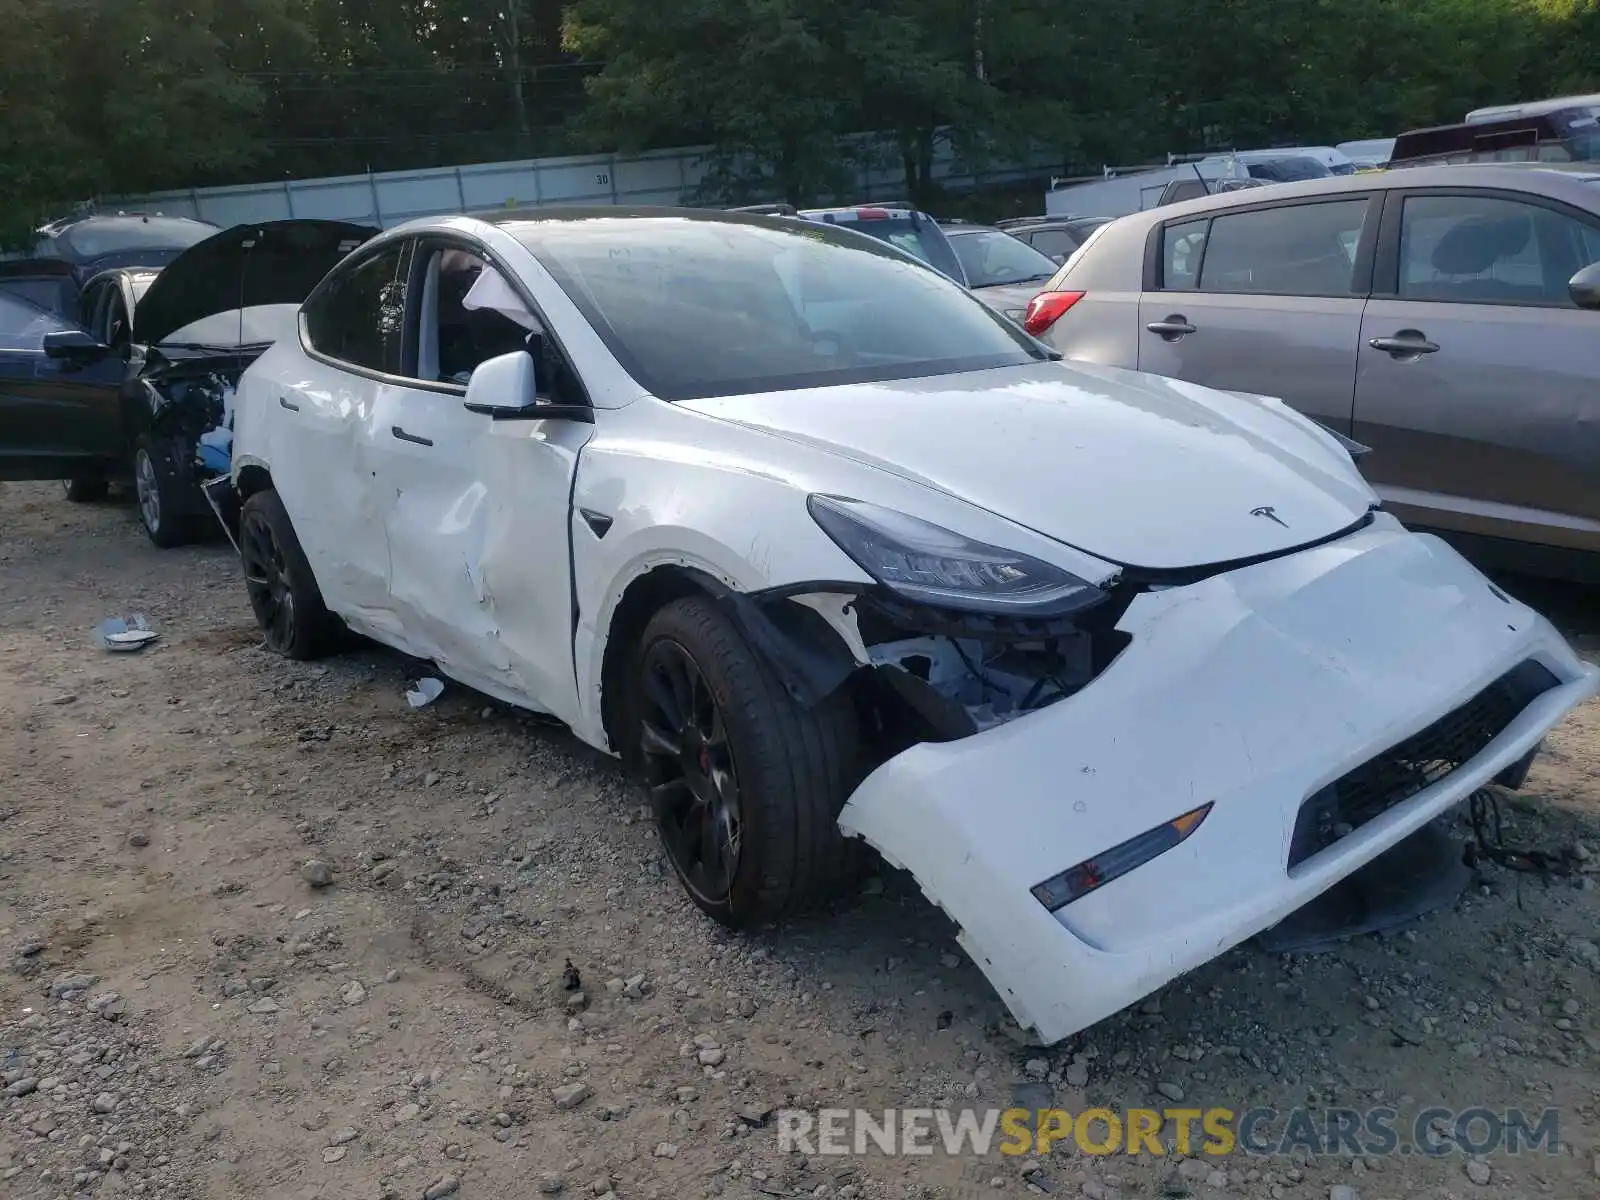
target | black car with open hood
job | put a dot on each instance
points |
(246, 267)
(139, 387)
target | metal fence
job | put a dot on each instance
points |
(387, 198)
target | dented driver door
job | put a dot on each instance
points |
(477, 517)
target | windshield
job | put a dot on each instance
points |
(97, 237)
(1286, 170)
(696, 307)
(993, 259)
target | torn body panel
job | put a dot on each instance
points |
(321, 452)
(1249, 692)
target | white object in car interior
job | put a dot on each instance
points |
(490, 290)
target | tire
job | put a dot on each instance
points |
(283, 592)
(87, 489)
(791, 770)
(156, 486)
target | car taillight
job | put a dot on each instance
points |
(1045, 309)
(873, 214)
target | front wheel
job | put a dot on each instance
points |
(157, 486)
(283, 592)
(745, 783)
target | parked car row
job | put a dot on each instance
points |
(135, 382)
(833, 553)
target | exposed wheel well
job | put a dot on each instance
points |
(644, 597)
(253, 480)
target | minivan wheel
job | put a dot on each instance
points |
(283, 592)
(156, 487)
(745, 783)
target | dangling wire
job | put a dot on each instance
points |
(1488, 843)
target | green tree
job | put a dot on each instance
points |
(761, 79)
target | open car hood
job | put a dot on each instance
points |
(269, 262)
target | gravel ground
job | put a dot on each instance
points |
(268, 932)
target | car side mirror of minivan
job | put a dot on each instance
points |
(1584, 287)
(506, 388)
(74, 346)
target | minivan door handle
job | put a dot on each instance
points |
(283, 401)
(409, 437)
(1174, 327)
(1408, 343)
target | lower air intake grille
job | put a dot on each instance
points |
(1420, 761)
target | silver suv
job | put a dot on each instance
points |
(1444, 316)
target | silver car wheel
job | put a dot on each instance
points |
(144, 478)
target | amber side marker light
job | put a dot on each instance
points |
(1076, 882)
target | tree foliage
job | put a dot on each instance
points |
(100, 97)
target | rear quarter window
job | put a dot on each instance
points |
(1181, 247)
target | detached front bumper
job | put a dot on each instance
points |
(1252, 691)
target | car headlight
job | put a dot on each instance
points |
(928, 564)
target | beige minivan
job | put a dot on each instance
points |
(1447, 317)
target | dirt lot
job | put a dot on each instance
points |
(183, 1014)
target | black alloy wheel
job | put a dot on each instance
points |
(690, 769)
(266, 579)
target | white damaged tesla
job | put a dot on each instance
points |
(1121, 670)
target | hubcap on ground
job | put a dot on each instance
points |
(694, 788)
(266, 579)
(144, 479)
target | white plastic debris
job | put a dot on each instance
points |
(424, 692)
(125, 634)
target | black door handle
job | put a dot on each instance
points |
(1173, 328)
(409, 437)
(1408, 343)
(283, 400)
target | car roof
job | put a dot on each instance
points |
(1049, 222)
(507, 217)
(65, 223)
(1523, 177)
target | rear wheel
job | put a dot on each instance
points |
(283, 592)
(745, 783)
(86, 489)
(156, 484)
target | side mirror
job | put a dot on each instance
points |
(1584, 287)
(506, 388)
(74, 345)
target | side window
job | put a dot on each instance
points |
(47, 293)
(1295, 250)
(1490, 250)
(359, 315)
(1180, 255)
(469, 314)
(22, 326)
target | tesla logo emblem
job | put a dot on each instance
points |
(1270, 513)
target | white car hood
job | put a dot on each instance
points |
(1135, 469)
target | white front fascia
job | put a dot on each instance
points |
(1249, 691)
